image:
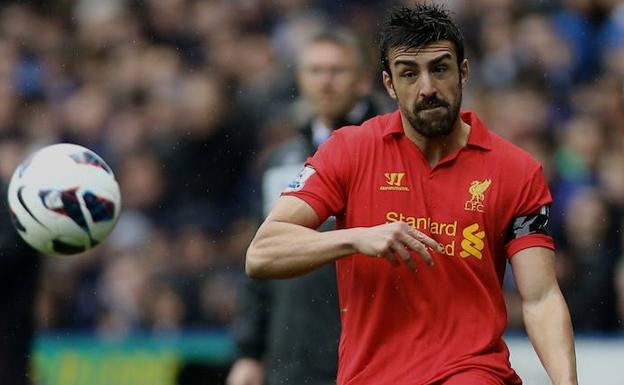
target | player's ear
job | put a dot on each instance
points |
(387, 81)
(463, 72)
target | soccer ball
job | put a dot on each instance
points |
(64, 199)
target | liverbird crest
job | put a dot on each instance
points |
(477, 190)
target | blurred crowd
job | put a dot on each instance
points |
(186, 100)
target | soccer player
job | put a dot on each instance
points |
(287, 331)
(430, 206)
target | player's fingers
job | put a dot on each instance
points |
(389, 255)
(405, 255)
(420, 248)
(425, 239)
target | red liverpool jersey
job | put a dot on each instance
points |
(405, 328)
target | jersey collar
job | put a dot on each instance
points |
(479, 135)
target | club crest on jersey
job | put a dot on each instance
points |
(299, 182)
(477, 191)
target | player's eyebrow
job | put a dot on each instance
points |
(405, 62)
(411, 62)
(440, 58)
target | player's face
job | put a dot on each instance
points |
(427, 83)
(330, 78)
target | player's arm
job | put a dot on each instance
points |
(545, 313)
(286, 244)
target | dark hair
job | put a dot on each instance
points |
(416, 27)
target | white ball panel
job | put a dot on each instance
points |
(53, 169)
(36, 234)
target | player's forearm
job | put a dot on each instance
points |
(548, 324)
(284, 250)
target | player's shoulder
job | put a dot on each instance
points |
(511, 157)
(500, 153)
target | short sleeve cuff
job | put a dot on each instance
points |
(317, 205)
(532, 240)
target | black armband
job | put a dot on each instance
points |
(529, 224)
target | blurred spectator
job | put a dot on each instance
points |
(207, 165)
(166, 310)
(123, 284)
(588, 274)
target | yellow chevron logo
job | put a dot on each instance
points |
(473, 243)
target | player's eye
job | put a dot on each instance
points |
(440, 69)
(408, 74)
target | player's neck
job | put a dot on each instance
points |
(435, 149)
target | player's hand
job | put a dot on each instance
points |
(246, 371)
(395, 241)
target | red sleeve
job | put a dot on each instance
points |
(322, 182)
(534, 196)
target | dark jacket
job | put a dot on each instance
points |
(19, 271)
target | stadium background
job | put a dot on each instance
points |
(186, 98)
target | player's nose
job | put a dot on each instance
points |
(427, 86)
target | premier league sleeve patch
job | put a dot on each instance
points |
(299, 182)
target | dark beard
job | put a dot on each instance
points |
(434, 127)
